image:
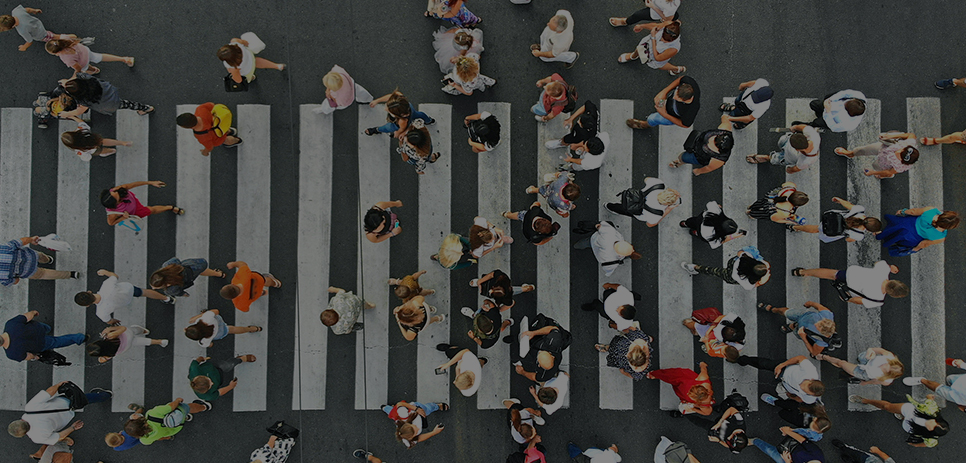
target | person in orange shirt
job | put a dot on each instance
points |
(206, 131)
(247, 286)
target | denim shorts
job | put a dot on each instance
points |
(656, 119)
(690, 158)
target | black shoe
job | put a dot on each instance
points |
(170, 300)
(508, 339)
(572, 63)
(442, 347)
(675, 414)
(371, 131)
(232, 131)
(87, 337)
(431, 121)
(236, 145)
(683, 224)
(613, 208)
(202, 402)
(838, 444)
(75, 275)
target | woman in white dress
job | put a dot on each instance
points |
(465, 78)
(453, 42)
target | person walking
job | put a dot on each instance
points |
(798, 149)
(208, 327)
(850, 224)
(341, 90)
(453, 11)
(952, 387)
(780, 205)
(380, 222)
(164, 421)
(911, 230)
(617, 306)
(798, 376)
(399, 115)
(211, 379)
(609, 247)
(692, 388)
(455, 42)
(538, 228)
(630, 352)
(712, 226)
(487, 324)
(852, 454)
(654, 10)
(99, 95)
(593, 454)
(88, 144)
(276, 450)
(895, 153)
(121, 203)
(813, 323)
(18, 261)
(115, 294)
(465, 77)
(411, 420)
(523, 421)
(556, 40)
(176, 275)
(658, 47)
(486, 237)
(240, 60)
(651, 204)
(677, 104)
(414, 315)
(864, 286)
(82, 59)
(839, 112)
(247, 286)
(921, 420)
(25, 338)
(875, 366)
(469, 368)
(551, 394)
(537, 347)
(747, 268)
(721, 336)
(483, 130)
(47, 415)
(29, 27)
(754, 98)
(560, 191)
(707, 151)
(115, 340)
(344, 310)
(211, 126)
(408, 286)
(497, 286)
(554, 99)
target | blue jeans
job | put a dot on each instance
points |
(56, 342)
(769, 450)
(690, 158)
(656, 119)
(538, 108)
(95, 397)
(390, 127)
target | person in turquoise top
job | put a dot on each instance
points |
(213, 379)
(164, 421)
(914, 229)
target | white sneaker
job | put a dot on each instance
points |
(468, 312)
(539, 118)
(690, 268)
(539, 421)
(554, 144)
(912, 380)
(164, 343)
(474, 282)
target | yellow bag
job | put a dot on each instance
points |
(220, 120)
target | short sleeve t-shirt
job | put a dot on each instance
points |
(594, 161)
(128, 442)
(206, 136)
(868, 281)
(470, 362)
(621, 296)
(793, 375)
(532, 214)
(45, 426)
(481, 222)
(603, 243)
(799, 159)
(114, 295)
(25, 336)
(206, 369)
(924, 226)
(81, 56)
(501, 280)
(757, 109)
(651, 201)
(252, 284)
(158, 431)
(30, 28)
(684, 111)
(561, 383)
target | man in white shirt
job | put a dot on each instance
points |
(113, 295)
(797, 150)
(754, 98)
(588, 155)
(799, 380)
(551, 394)
(609, 247)
(839, 112)
(556, 39)
(617, 306)
(866, 286)
(47, 414)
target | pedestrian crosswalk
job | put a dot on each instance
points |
(438, 195)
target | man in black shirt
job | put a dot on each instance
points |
(547, 341)
(677, 104)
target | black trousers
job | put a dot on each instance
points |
(788, 406)
(644, 14)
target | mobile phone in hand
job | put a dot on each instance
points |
(440, 371)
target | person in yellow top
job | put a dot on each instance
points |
(247, 286)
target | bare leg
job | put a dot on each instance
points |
(160, 209)
(152, 294)
(270, 280)
(156, 342)
(107, 58)
(883, 405)
(512, 215)
(427, 292)
(262, 63)
(955, 137)
(839, 363)
(212, 273)
(113, 142)
(195, 408)
(823, 273)
(435, 319)
(932, 385)
(241, 329)
(960, 82)
(806, 228)
(373, 459)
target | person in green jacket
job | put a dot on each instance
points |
(164, 421)
(210, 379)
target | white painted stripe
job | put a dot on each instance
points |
(493, 198)
(194, 192)
(553, 258)
(131, 262)
(315, 218)
(616, 391)
(865, 325)
(675, 301)
(739, 183)
(16, 145)
(928, 274)
(434, 223)
(253, 239)
(73, 186)
(801, 249)
(372, 347)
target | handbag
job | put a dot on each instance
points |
(74, 394)
(282, 430)
(705, 316)
(677, 453)
(846, 293)
(232, 86)
(54, 358)
(788, 444)
(132, 223)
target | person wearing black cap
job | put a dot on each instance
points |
(712, 226)
(754, 98)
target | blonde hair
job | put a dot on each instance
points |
(636, 356)
(332, 81)
(450, 251)
(467, 68)
(668, 197)
(896, 369)
(405, 431)
(410, 314)
(201, 384)
(463, 40)
(825, 327)
(113, 439)
(555, 89)
(465, 380)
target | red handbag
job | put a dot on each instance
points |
(706, 316)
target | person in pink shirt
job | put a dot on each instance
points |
(341, 91)
(121, 202)
(80, 58)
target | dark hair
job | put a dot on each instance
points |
(909, 155)
(724, 142)
(595, 146)
(84, 298)
(373, 218)
(230, 54)
(200, 330)
(627, 311)
(497, 291)
(760, 270)
(137, 427)
(7, 22)
(81, 140)
(855, 107)
(942, 427)
(167, 276)
(798, 198)
(685, 91)
(571, 191)
(84, 88)
(420, 139)
(673, 29)
(798, 141)
(731, 334)
(492, 131)
(542, 225)
(329, 317)
(547, 395)
(103, 348)
(824, 424)
(738, 442)
(728, 226)
(59, 45)
(229, 291)
(483, 324)
(108, 201)
(872, 224)
(398, 105)
(187, 120)
(948, 220)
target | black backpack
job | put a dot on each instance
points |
(571, 99)
(484, 130)
(833, 224)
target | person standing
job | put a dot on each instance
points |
(343, 311)
(29, 27)
(556, 39)
(839, 112)
(211, 125)
(677, 104)
(19, 261)
(247, 286)
(25, 338)
(340, 91)
(47, 414)
(754, 98)
(115, 294)
(797, 150)
(609, 247)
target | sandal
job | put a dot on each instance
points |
(625, 57)
(797, 272)
(247, 358)
(601, 347)
(754, 159)
(223, 274)
(676, 163)
(177, 210)
(790, 227)
(443, 406)
(534, 47)
(679, 70)
(257, 328)
(145, 113)
(616, 22)
(928, 141)
(841, 152)
(726, 107)
(766, 307)
(785, 328)
(371, 131)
